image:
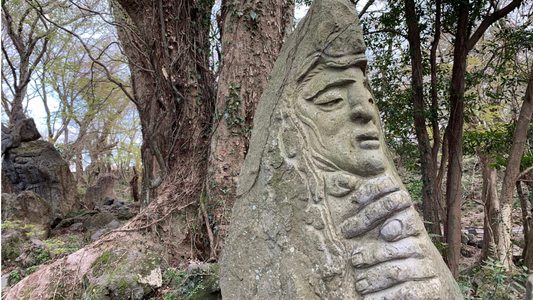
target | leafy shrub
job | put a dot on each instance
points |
(492, 281)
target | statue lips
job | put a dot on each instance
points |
(368, 140)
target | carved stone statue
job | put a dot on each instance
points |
(321, 212)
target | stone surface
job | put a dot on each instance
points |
(98, 221)
(11, 246)
(37, 166)
(30, 209)
(120, 273)
(112, 225)
(529, 288)
(321, 212)
(23, 131)
(104, 188)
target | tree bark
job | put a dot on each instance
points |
(252, 36)
(455, 144)
(489, 196)
(428, 162)
(512, 170)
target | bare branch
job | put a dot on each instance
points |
(106, 70)
(489, 20)
(363, 11)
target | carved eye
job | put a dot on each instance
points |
(329, 100)
(371, 101)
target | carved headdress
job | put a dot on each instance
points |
(320, 211)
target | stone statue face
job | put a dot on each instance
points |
(339, 109)
(320, 211)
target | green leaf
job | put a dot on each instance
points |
(253, 15)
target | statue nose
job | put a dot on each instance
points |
(362, 110)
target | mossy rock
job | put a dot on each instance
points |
(124, 273)
(210, 289)
(11, 247)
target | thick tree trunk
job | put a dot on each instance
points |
(167, 45)
(252, 35)
(455, 144)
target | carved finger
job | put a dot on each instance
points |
(374, 214)
(430, 289)
(392, 273)
(380, 251)
(404, 224)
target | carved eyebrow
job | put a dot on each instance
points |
(334, 83)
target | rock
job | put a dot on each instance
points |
(76, 227)
(116, 207)
(37, 242)
(120, 273)
(108, 201)
(30, 209)
(529, 288)
(112, 225)
(11, 246)
(37, 166)
(193, 267)
(98, 221)
(104, 188)
(320, 211)
(4, 280)
(76, 219)
(464, 239)
(24, 130)
(467, 251)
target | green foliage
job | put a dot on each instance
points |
(28, 230)
(14, 277)
(31, 269)
(492, 281)
(190, 285)
(415, 190)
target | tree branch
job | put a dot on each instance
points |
(489, 20)
(367, 5)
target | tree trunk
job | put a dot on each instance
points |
(489, 196)
(455, 144)
(428, 164)
(512, 171)
(167, 45)
(527, 254)
(79, 166)
(252, 35)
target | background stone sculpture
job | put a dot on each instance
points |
(321, 212)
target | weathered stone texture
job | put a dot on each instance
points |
(104, 187)
(321, 212)
(37, 166)
(29, 208)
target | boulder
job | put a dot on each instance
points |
(24, 130)
(104, 188)
(32, 210)
(116, 207)
(112, 225)
(98, 221)
(11, 246)
(120, 273)
(37, 166)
